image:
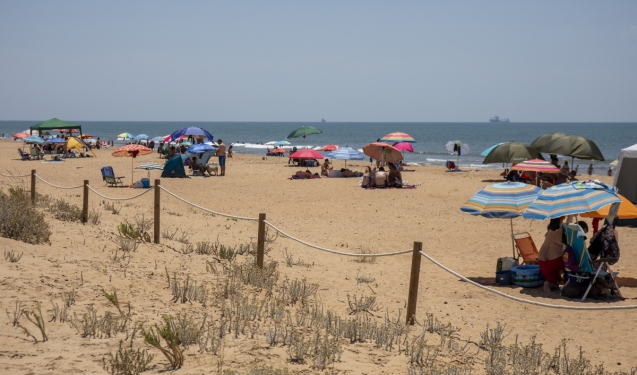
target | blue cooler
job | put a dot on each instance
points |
(146, 183)
(503, 277)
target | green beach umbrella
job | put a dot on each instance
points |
(512, 152)
(542, 140)
(304, 131)
(575, 147)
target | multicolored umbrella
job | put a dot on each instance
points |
(571, 199)
(536, 165)
(132, 151)
(125, 136)
(306, 154)
(502, 200)
(398, 137)
(382, 152)
(505, 200)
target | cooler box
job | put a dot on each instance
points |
(146, 183)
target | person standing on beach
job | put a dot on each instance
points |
(221, 153)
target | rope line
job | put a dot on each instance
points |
(334, 251)
(117, 199)
(205, 209)
(57, 186)
(566, 307)
(15, 175)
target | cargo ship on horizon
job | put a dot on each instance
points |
(498, 119)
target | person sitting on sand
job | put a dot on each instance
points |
(302, 175)
(550, 255)
(196, 166)
(380, 180)
(171, 152)
(70, 153)
(571, 176)
(368, 178)
(326, 167)
(394, 179)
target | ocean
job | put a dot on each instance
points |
(431, 137)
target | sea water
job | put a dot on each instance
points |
(429, 148)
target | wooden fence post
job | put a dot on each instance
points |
(33, 187)
(157, 210)
(413, 283)
(85, 203)
(261, 241)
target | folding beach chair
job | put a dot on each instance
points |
(526, 247)
(23, 155)
(584, 270)
(109, 176)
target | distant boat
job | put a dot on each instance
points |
(498, 119)
(322, 120)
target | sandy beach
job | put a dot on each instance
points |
(330, 212)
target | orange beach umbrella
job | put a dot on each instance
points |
(627, 210)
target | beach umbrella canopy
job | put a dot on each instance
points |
(542, 140)
(458, 147)
(186, 143)
(345, 153)
(536, 165)
(150, 166)
(304, 131)
(132, 151)
(329, 148)
(271, 143)
(502, 200)
(68, 130)
(486, 152)
(54, 140)
(627, 210)
(158, 139)
(278, 151)
(398, 137)
(383, 152)
(512, 152)
(306, 154)
(125, 136)
(570, 199)
(505, 200)
(404, 146)
(574, 146)
(141, 136)
(86, 136)
(20, 135)
(33, 139)
(200, 148)
(281, 143)
(192, 130)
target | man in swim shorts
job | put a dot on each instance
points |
(221, 153)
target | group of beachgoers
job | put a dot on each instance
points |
(546, 180)
(192, 162)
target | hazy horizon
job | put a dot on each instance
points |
(283, 61)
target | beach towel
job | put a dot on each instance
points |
(386, 187)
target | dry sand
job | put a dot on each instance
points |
(334, 213)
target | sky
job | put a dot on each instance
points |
(350, 61)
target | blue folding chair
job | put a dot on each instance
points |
(109, 176)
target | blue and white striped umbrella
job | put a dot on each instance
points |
(502, 200)
(150, 166)
(141, 136)
(345, 153)
(571, 199)
(34, 139)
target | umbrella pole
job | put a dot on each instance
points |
(512, 240)
(131, 169)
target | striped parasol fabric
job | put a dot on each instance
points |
(150, 166)
(571, 199)
(536, 165)
(129, 149)
(398, 137)
(502, 200)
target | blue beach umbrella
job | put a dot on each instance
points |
(141, 136)
(191, 130)
(345, 153)
(33, 139)
(571, 199)
(486, 152)
(282, 143)
(54, 141)
(505, 200)
(200, 148)
(158, 139)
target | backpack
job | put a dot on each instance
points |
(604, 245)
(571, 263)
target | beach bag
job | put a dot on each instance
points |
(604, 245)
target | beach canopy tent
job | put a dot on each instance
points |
(626, 176)
(55, 124)
(78, 143)
(174, 167)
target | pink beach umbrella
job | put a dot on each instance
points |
(403, 146)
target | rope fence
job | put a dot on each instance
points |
(207, 210)
(117, 199)
(566, 307)
(417, 253)
(334, 251)
(14, 175)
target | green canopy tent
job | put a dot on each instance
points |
(54, 124)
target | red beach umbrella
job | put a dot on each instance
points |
(20, 135)
(306, 154)
(132, 151)
(330, 147)
(278, 151)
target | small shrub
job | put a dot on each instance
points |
(19, 220)
(138, 230)
(126, 361)
(154, 335)
(95, 217)
(64, 211)
(365, 250)
(110, 206)
(12, 256)
(37, 319)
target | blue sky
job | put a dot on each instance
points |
(303, 60)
